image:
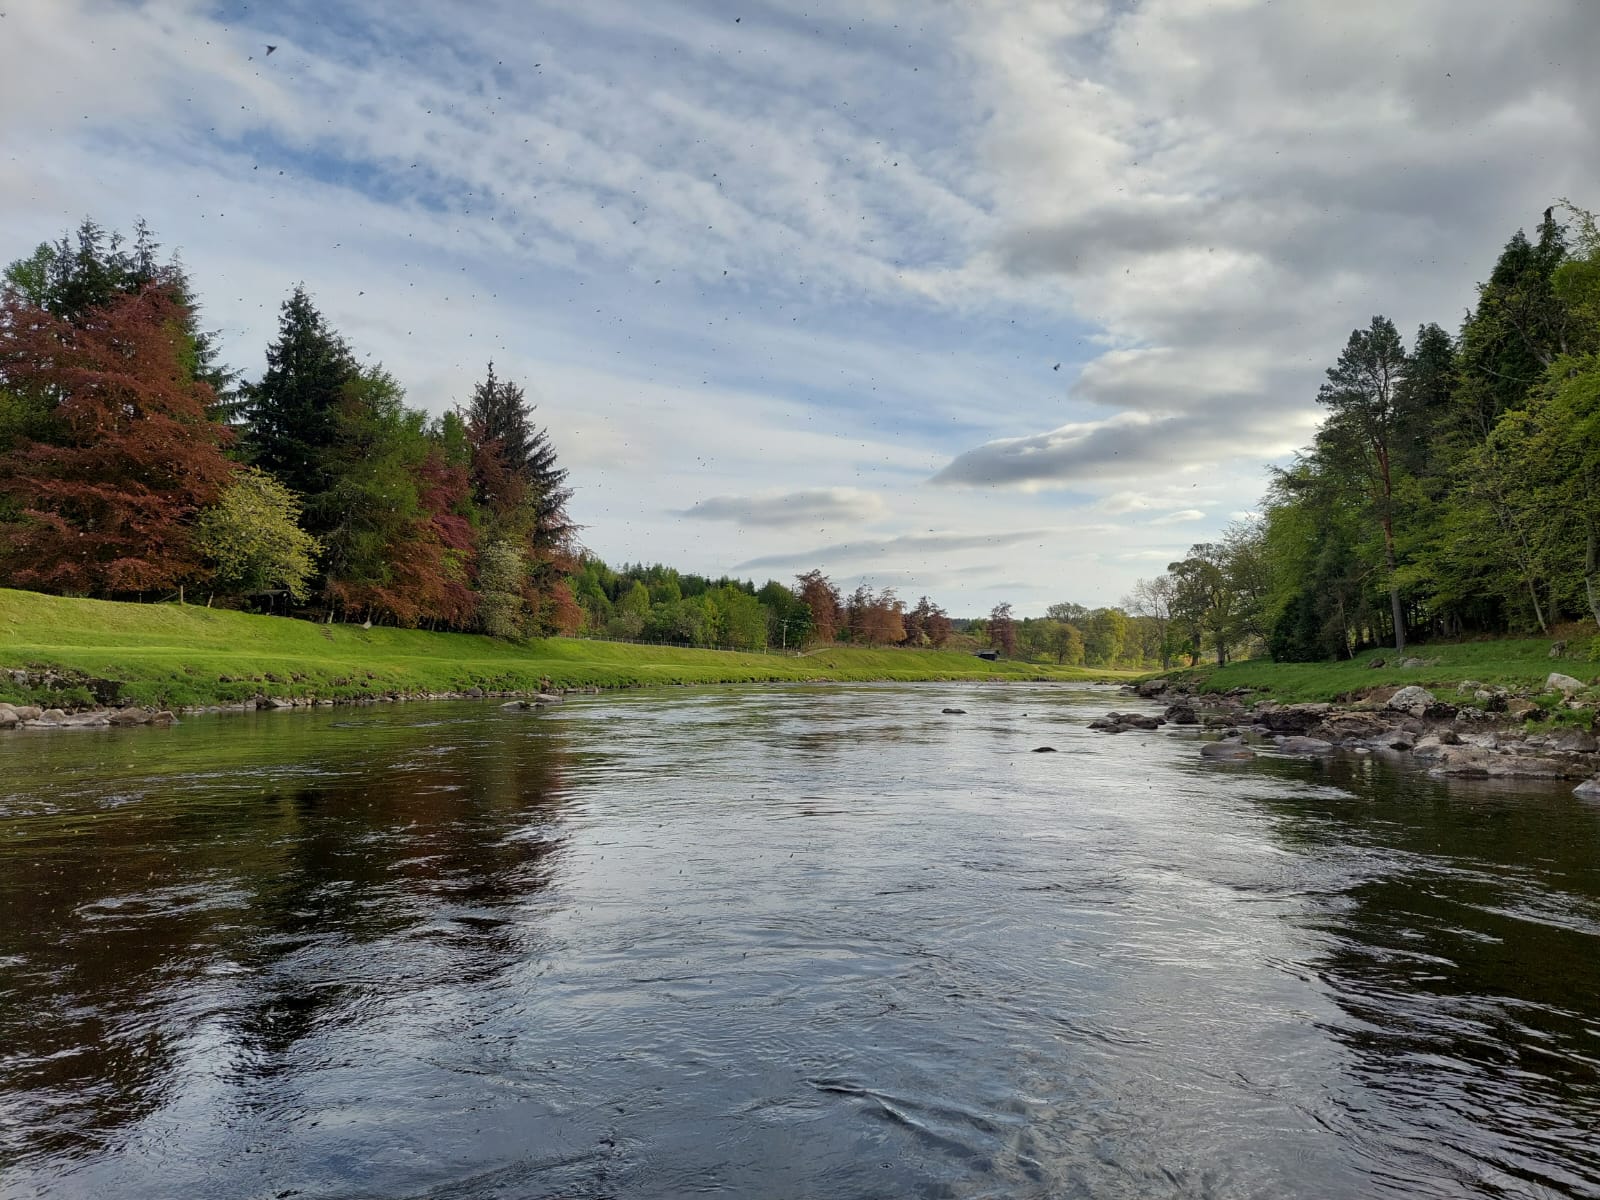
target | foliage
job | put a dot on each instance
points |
(123, 454)
(253, 540)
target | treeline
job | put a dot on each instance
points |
(660, 604)
(1452, 489)
(133, 464)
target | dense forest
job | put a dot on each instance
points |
(1452, 489)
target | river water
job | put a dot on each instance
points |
(773, 942)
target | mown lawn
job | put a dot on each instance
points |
(1518, 664)
(173, 655)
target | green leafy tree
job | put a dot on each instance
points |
(253, 541)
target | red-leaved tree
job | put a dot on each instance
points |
(100, 499)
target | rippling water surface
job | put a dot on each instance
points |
(781, 942)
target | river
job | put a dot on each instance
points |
(787, 941)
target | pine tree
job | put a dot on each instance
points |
(291, 415)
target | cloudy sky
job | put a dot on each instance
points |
(992, 299)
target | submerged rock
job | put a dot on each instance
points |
(1589, 789)
(1227, 751)
(953, 712)
(1044, 750)
(1304, 745)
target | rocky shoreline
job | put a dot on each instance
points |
(32, 716)
(1477, 732)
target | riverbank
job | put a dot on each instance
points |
(1518, 666)
(77, 656)
(1464, 727)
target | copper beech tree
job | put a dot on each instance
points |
(117, 452)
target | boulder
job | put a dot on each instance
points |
(275, 702)
(1565, 684)
(1589, 789)
(1557, 649)
(1227, 751)
(1523, 710)
(8, 717)
(1181, 714)
(521, 705)
(1412, 662)
(164, 717)
(27, 712)
(549, 698)
(1292, 718)
(1304, 745)
(1375, 664)
(1571, 741)
(1150, 687)
(1353, 727)
(1408, 698)
(130, 716)
(1140, 721)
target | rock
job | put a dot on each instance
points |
(1181, 714)
(1565, 684)
(549, 698)
(475, 693)
(1589, 789)
(1399, 741)
(1044, 750)
(1375, 664)
(1293, 718)
(1475, 761)
(1448, 737)
(1150, 687)
(164, 717)
(1412, 662)
(1108, 725)
(1523, 710)
(1353, 727)
(1557, 649)
(1227, 751)
(274, 702)
(1304, 745)
(53, 714)
(1140, 721)
(1216, 721)
(8, 717)
(954, 712)
(130, 716)
(1571, 741)
(521, 705)
(1408, 698)
(27, 712)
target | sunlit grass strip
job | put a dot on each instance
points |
(1517, 664)
(180, 655)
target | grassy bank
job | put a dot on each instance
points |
(1519, 665)
(172, 655)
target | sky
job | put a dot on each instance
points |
(992, 300)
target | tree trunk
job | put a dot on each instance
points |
(1591, 571)
(1394, 587)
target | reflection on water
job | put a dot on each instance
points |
(782, 942)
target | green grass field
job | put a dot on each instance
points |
(170, 655)
(1516, 664)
